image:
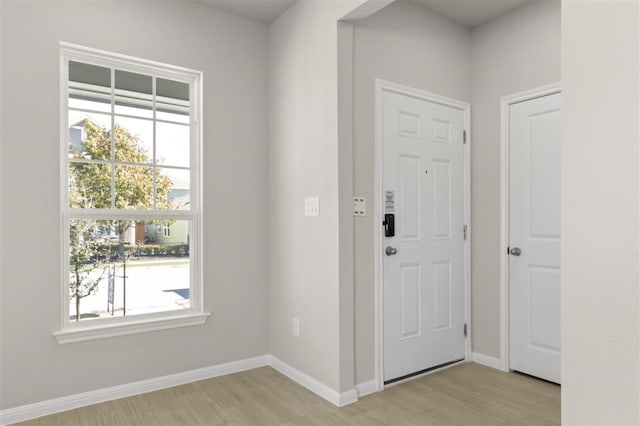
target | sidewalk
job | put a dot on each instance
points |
(152, 285)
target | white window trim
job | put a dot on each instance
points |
(141, 324)
(72, 331)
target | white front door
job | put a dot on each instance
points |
(534, 236)
(424, 268)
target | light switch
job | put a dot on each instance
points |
(359, 206)
(312, 206)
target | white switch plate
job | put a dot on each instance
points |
(312, 206)
(296, 327)
(359, 206)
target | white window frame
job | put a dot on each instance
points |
(76, 331)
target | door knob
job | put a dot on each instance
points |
(515, 251)
(390, 251)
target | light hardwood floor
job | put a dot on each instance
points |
(468, 394)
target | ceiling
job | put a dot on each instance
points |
(469, 13)
(259, 10)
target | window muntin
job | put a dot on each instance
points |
(131, 157)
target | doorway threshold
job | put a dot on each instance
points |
(418, 373)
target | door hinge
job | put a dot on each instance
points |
(465, 231)
(465, 329)
(464, 136)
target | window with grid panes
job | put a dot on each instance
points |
(131, 189)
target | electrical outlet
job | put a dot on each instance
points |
(296, 327)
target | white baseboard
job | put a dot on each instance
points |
(486, 360)
(57, 405)
(320, 389)
(366, 388)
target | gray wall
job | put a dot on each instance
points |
(516, 52)
(232, 53)
(303, 161)
(600, 213)
(405, 44)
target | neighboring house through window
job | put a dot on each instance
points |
(131, 165)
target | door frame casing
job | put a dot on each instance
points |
(505, 105)
(380, 87)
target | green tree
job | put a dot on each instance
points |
(90, 187)
(90, 183)
(85, 267)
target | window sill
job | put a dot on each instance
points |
(103, 331)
